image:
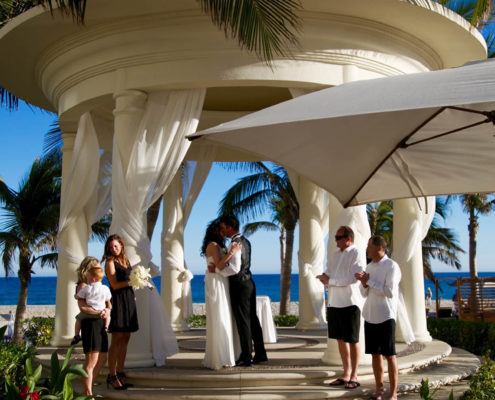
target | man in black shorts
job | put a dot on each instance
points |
(345, 301)
(380, 287)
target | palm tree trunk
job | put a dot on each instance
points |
(473, 232)
(20, 313)
(285, 274)
(152, 216)
(473, 270)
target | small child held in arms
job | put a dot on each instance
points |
(89, 288)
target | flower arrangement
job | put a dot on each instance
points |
(140, 278)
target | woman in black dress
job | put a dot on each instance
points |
(124, 315)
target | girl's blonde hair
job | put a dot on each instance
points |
(86, 264)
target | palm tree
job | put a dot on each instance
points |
(475, 204)
(264, 27)
(29, 227)
(381, 220)
(267, 189)
(440, 243)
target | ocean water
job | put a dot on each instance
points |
(42, 289)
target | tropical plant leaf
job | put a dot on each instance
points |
(265, 27)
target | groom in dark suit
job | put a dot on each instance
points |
(243, 296)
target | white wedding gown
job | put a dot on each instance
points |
(222, 340)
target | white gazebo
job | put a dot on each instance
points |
(137, 77)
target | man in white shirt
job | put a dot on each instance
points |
(380, 287)
(344, 304)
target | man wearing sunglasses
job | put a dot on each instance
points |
(344, 303)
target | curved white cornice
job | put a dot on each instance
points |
(152, 45)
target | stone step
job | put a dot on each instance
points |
(459, 364)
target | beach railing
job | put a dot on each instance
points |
(475, 299)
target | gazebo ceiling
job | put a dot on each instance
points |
(148, 45)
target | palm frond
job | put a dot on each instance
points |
(101, 228)
(265, 27)
(8, 100)
(52, 143)
(253, 227)
(48, 260)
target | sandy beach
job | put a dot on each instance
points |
(49, 310)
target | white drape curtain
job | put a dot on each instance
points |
(194, 174)
(157, 153)
(88, 189)
(403, 253)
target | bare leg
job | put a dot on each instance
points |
(124, 341)
(393, 376)
(91, 360)
(354, 348)
(377, 364)
(113, 352)
(102, 359)
(346, 359)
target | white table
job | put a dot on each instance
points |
(264, 313)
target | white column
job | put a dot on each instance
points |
(173, 253)
(356, 218)
(73, 237)
(129, 108)
(311, 256)
(406, 215)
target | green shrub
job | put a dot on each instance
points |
(58, 386)
(197, 321)
(482, 383)
(39, 330)
(476, 337)
(286, 320)
(13, 357)
(424, 391)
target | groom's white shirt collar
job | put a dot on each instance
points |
(235, 236)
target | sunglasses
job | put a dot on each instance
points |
(338, 237)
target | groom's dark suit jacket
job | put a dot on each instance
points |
(245, 272)
(243, 300)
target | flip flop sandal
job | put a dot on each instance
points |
(338, 382)
(352, 385)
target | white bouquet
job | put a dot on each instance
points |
(140, 278)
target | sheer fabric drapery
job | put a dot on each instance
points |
(157, 153)
(403, 253)
(87, 190)
(194, 174)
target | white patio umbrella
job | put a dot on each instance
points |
(406, 136)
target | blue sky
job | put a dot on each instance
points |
(22, 134)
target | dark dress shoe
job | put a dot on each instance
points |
(243, 363)
(257, 360)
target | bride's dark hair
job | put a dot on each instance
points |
(212, 234)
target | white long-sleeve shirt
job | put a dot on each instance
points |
(382, 293)
(234, 265)
(343, 288)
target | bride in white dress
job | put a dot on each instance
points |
(221, 335)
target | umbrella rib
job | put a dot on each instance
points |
(406, 145)
(490, 117)
(399, 145)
